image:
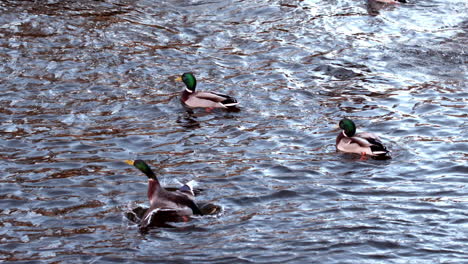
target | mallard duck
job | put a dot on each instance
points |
(169, 206)
(389, 1)
(208, 100)
(361, 143)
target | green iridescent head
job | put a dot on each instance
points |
(141, 165)
(189, 81)
(348, 127)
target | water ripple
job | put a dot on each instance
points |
(88, 84)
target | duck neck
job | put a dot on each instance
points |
(153, 188)
(185, 95)
(340, 136)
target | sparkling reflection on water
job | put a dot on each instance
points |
(87, 84)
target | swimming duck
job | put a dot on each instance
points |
(208, 100)
(390, 1)
(362, 143)
(168, 206)
(374, 6)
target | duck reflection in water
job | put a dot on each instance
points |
(374, 6)
(166, 205)
(189, 120)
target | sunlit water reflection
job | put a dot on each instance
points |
(86, 84)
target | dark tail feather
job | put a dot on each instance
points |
(229, 102)
(384, 155)
(379, 147)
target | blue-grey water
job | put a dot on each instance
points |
(87, 84)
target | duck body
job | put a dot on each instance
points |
(165, 206)
(200, 99)
(360, 143)
(177, 200)
(207, 100)
(390, 1)
(374, 6)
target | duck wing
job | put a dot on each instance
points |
(210, 96)
(204, 100)
(373, 141)
(187, 189)
(362, 142)
(223, 99)
(228, 100)
(353, 145)
(159, 217)
(176, 201)
(190, 203)
(169, 207)
(367, 135)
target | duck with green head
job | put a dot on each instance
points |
(389, 1)
(175, 205)
(200, 99)
(362, 143)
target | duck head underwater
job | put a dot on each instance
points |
(166, 205)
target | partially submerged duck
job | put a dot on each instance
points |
(199, 99)
(165, 206)
(362, 143)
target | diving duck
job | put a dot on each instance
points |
(166, 206)
(362, 143)
(208, 100)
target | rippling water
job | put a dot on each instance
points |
(87, 84)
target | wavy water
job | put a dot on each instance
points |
(87, 84)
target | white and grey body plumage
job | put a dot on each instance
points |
(360, 143)
(363, 143)
(207, 100)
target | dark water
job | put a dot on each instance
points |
(87, 84)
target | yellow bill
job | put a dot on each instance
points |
(129, 162)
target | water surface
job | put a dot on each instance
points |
(87, 84)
